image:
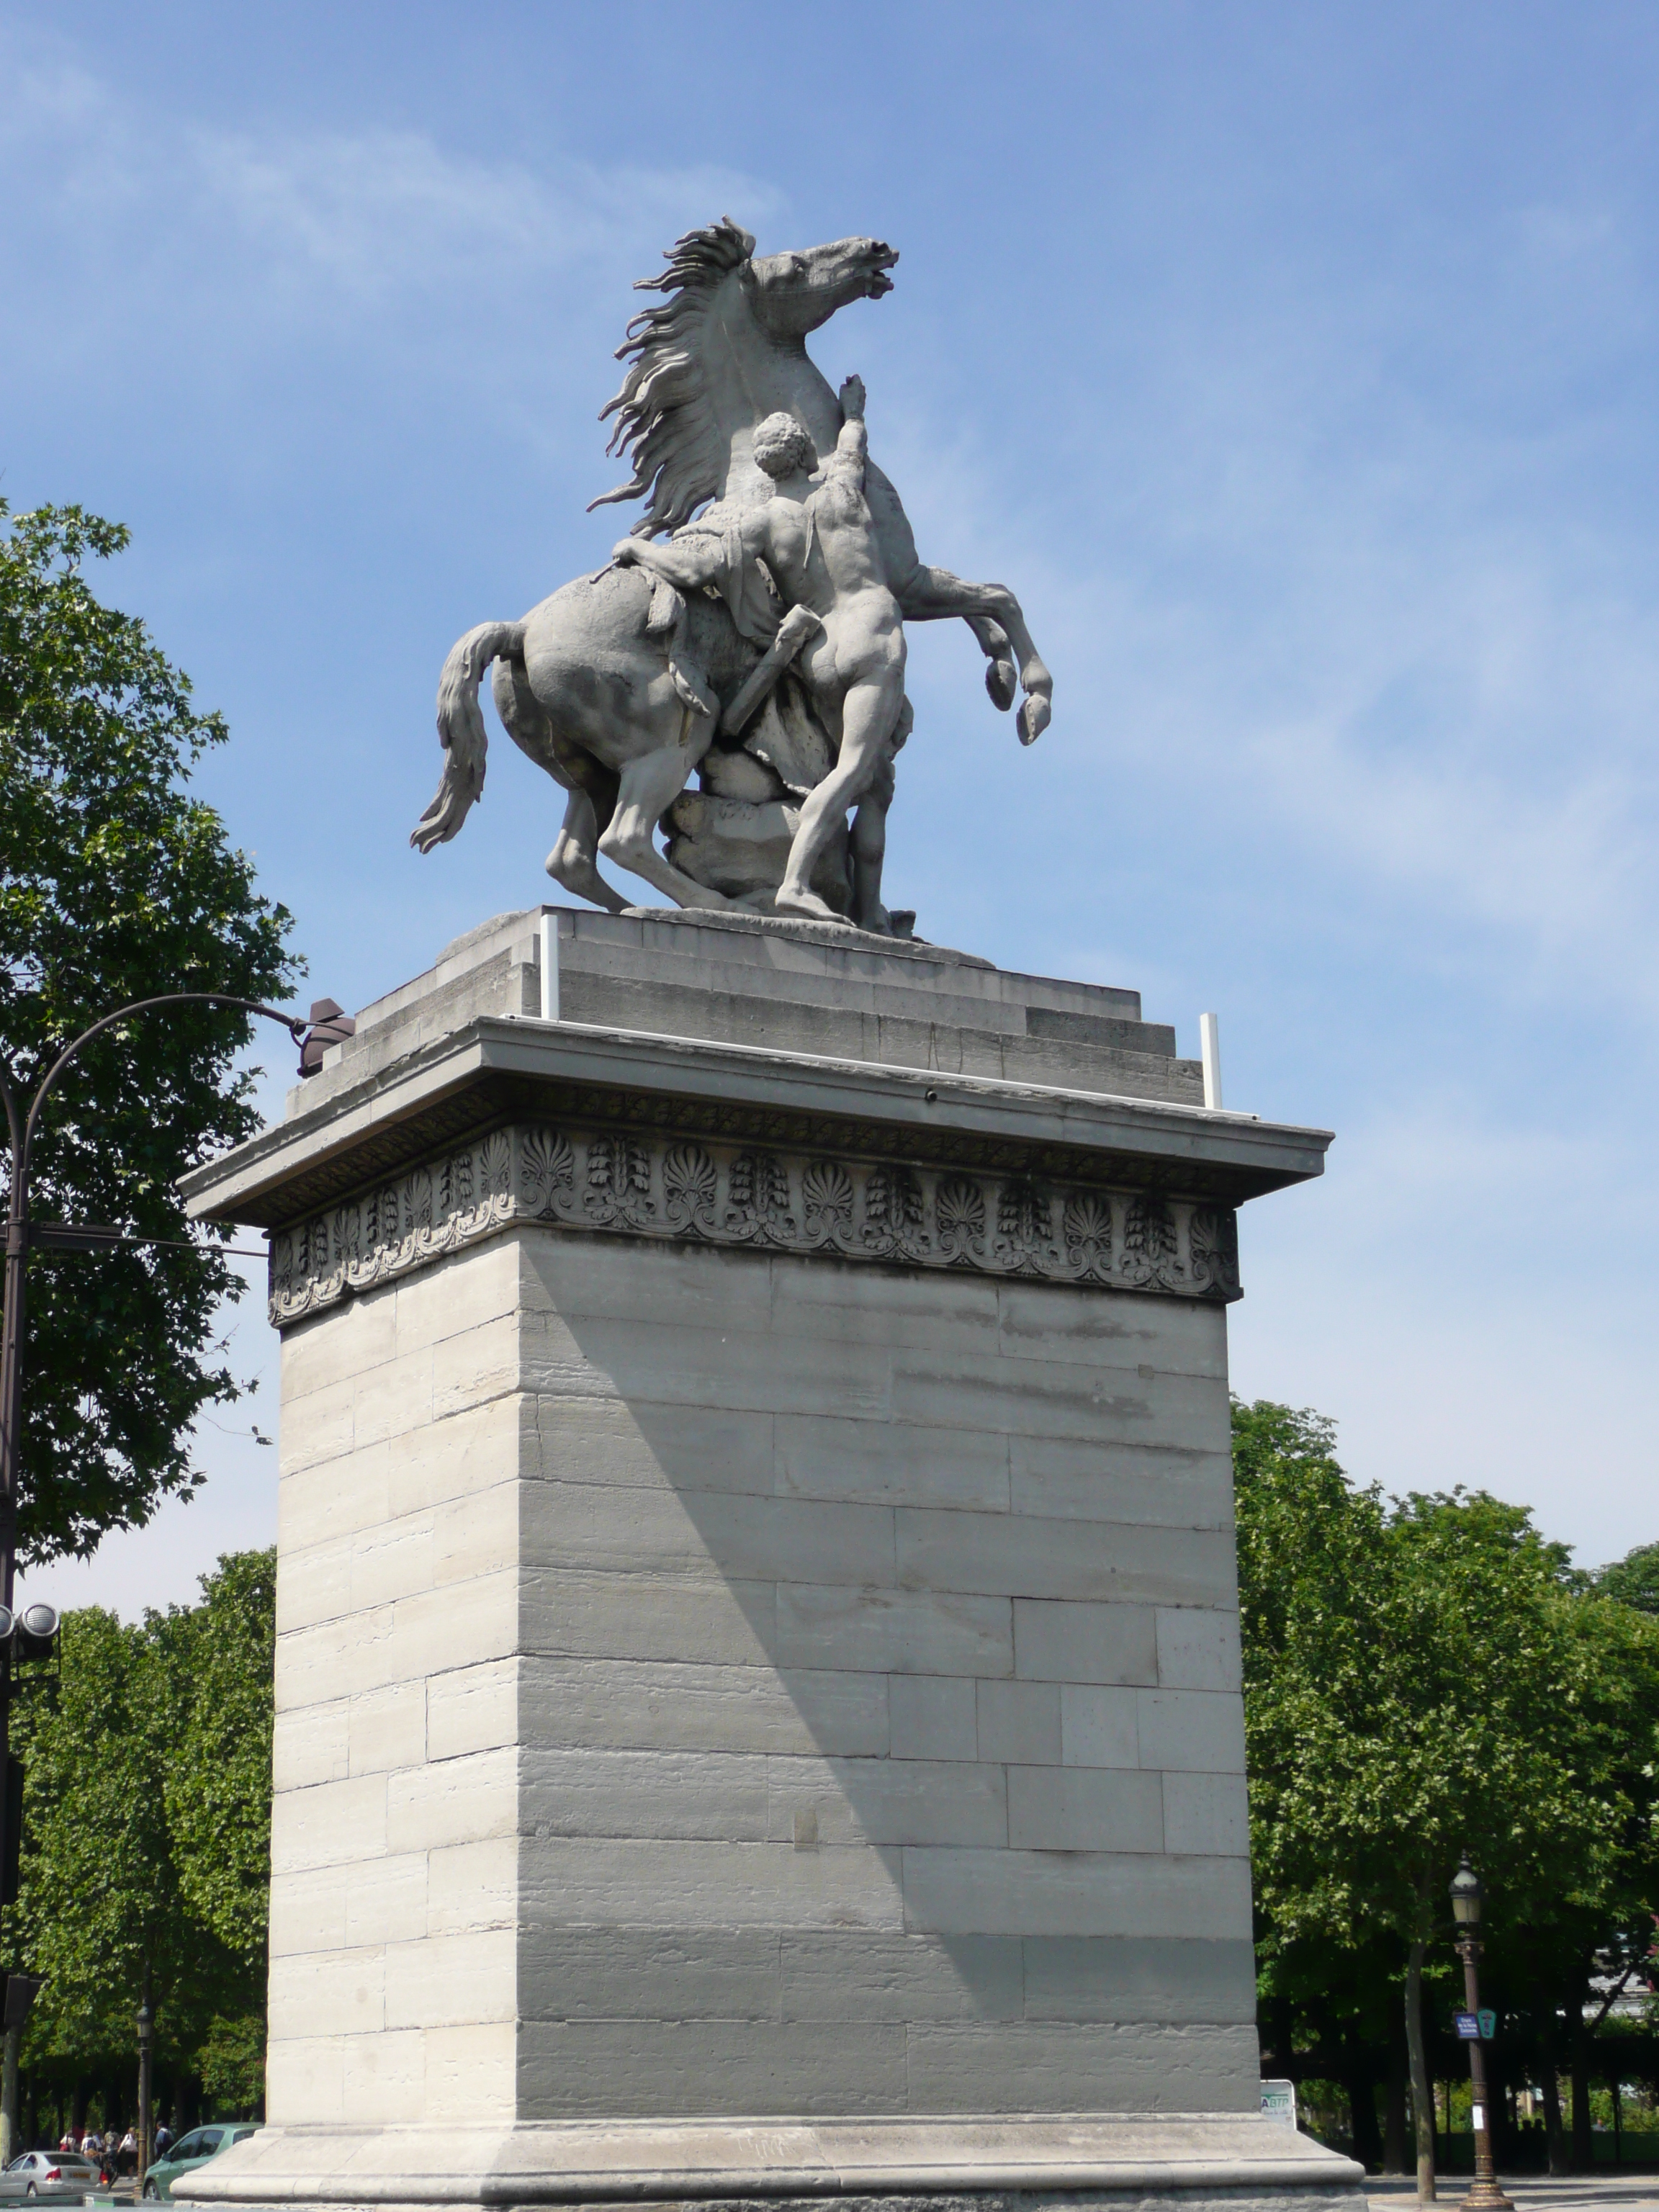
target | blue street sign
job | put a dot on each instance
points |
(1468, 2025)
(1488, 2024)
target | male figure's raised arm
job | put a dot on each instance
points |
(852, 446)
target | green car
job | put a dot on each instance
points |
(192, 2151)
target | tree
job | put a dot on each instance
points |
(116, 883)
(147, 1828)
(1633, 1580)
(1421, 1676)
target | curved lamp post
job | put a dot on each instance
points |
(1485, 2194)
(22, 1124)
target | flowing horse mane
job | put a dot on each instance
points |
(665, 424)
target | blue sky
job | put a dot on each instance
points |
(1296, 366)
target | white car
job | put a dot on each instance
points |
(64, 2175)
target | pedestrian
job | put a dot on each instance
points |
(126, 2159)
(163, 2137)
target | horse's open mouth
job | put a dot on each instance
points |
(881, 258)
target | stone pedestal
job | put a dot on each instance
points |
(757, 1678)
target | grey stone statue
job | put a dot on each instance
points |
(761, 648)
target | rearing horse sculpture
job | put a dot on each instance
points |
(583, 683)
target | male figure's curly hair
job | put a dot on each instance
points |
(782, 444)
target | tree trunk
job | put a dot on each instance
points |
(1583, 2143)
(1395, 2159)
(1422, 2096)
(1555, 2157)
(9, 2145)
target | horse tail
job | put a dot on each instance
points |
(461, 729)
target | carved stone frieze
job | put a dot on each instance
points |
(634, 1182)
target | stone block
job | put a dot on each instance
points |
(651, 1973)
(650, 1447)
(470, 2073)
(319, 1353)
(1013, 1555)
(311, 1745)
(463, 1456)
(1173, 1486)
(1098, 1726)
(472, 1886)
(835, 1976)
(883, 1464)
(1041, 1320)
(1084, 1643)
(570, 2070)
(346, 1990)
(453, 1800)
(392, 1400)
(624, 1529)
(933, 1716)
(1206, 1814)
(1083, 2068)
(698, 1794)
(480, 1287)
(471, 1708)
(1020, 1722)
(868, 1312)
(332, 1499)
(893, 1632)
(385, 1900)
(696, 1618)
(887, 1800)
(331, 1824)
(1053, 1398)
(308, 1909)
(451, 1981)
(1199, 1651)
(1082, 1809)
(1196, 1731)
(567, 1283)
(643, 1706)
(958, 1892)
(1139, 1978)
(383, 2078)
(387, 1729)
(566, 1882)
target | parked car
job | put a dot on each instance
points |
(192, 2151)
(64, 2175)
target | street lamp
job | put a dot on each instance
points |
(22, 1125)
(146, 2037)
(1485, 2194)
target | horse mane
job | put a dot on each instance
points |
(666, 425)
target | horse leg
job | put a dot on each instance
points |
(571, 862)
(590, 786)
(649, 786)
(934, 595)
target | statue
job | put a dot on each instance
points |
(761, 648)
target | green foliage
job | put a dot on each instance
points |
(147, 1823)
(1633, 1580)
(1423, 1676)
(115, 884)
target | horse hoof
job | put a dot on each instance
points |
(1034, 714)
(1002, 682)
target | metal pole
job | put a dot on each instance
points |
(146, 2037)
(1485, 2196)
(20, 1129)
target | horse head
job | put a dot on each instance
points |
(792, 295)
(681, 379)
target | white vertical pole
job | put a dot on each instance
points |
(549, 966)
(1209, 1041)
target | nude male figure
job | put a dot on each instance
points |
(818, 539)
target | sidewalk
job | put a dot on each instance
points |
(1532, 2192)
